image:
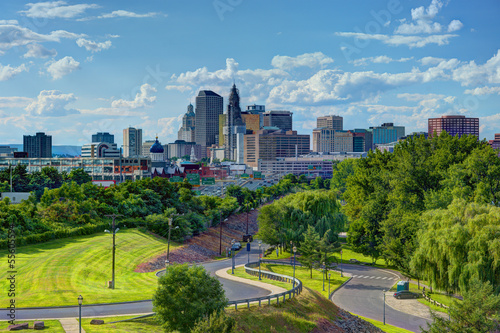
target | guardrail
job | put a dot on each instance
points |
(250, 269)
(430, 300)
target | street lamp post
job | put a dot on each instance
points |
(329, 274)
(80, 302)
(114, 231)
(169, 232)
(384, 306)
(232, 256)
(220, 233)
(167, 263)
(294, 251)
(248, 211)
(323, 276)
(260, 245)
(341, 273)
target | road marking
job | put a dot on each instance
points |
(384, 278)
(378, 277)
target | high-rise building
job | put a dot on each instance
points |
(253, 121)
(386, 133)
(187, 131)
(181, 148)
(234, 124)
(209, 106)
(100, 149)
(132, 142)
(495, 143)
(453, 125)
(254, 109)
(103, 137)
(39, 145)
(280, 119)
(332, 121)
(271, 144)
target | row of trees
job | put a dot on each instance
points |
(430, 208)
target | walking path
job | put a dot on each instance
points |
(70, 325)
(272, 289)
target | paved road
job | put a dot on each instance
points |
(363, 295)
(234, 291)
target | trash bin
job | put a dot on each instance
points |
(403, 285)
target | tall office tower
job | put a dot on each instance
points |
(253, 121)
(39, 145)
(132, 142)
(209, 106)
(103, 137)
(234, 124)
(333, 122)
(186, 132)
(219, 140)
(254, 109)
(453, 125)
(386, 133)
(280, 119)
(495, 143)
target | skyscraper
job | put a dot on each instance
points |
(187, 131)
(103, 137)
(132, 142)
(209, 106)
(453, 125)
(386, 133)
(39, 145)
(280, 119)
(324, 134)
(234, 124)
(333, 122)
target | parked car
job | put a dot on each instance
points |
(405, 294)
(236, 246)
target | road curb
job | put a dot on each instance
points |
(83, 305)
(333, 292)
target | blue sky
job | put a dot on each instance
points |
(73, 68)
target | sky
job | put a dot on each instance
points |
(74, 68)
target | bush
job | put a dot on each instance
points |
(218, 322)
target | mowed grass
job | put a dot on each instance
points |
(56, 272)
(386, 328)
(51, 326)
(143, 325)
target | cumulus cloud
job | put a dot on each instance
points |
(455, 25)
(483, 91)
(474, 74)
(93, 46)
(51, 103)
(62, 67)
(8, 72)
(9, 22)
(121, 13)
(56, 9)
(383, 59)
(38, 51)
(426, 61)
(142, 99)
(398, 40)
(179, 88)
(312, 60)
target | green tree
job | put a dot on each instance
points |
(218, 322)
(479, 312)
(236, 191)
(186, 294)
(78, 176)
(309, 253)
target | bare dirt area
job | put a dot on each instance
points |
(206, 246)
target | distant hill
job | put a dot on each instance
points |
(67, 151)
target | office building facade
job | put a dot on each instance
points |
(234, 126)
(332, 121)
(280, 119)
(181, 148)
(103, 137)
(38, 145)
(386, 133)
(209, 106)
(453, 125)
(100, 149)
(187, 130)
(132, 142)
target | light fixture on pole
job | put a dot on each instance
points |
(324, 275)
(80, 302)
(113, 231)
(260, 255)
(329, 274)
(384, 305)
(341, 273)
(220, 233)
(294, 249)
(169, 231)
(232, 256)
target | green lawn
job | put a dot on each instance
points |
(51, 326)
(386, 328)
(145, 325)
(348, 253)
(56, 272)
(282, 255)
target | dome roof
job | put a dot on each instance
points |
(156, 147)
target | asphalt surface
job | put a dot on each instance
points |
(363, 295)
(234, 291)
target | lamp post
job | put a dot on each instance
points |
(220, 233)
(248, 211)
(323, 276)
(169, 231)
(329, 274)
(384, 305)
(294, 251)
(114, 231)
(80, 302)
(167, 263)
(341, 273)
(232, 256)
(260, 245)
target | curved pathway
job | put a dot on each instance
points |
(363, 295)
(235, 290)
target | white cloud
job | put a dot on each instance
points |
(14, 102)
(51, 103)
(8, 72)
(179, 88)
(483, 91)
(9, 22)
(455, 25)
(421, 13)
(312, 60)
(62, 67)
(426, 61)
(93, 46)
(142, 99)
(121, 13)
(38, 51)
(56, 9)
(383, 59)
(418, 28)
(473, 74)
(397, 40)
(13, 35)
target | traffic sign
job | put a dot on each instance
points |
(257, 175)
(245, 175)
(193, 179)
(208, 181)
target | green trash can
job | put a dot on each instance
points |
(403, 285)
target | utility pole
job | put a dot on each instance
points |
(113, 216)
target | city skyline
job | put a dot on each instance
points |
(76, 68)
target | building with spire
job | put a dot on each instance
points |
(187, 131)
(235, 128)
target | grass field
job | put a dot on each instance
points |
(144, 325)
(56, 272)
(51, 326)
(386, 328)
